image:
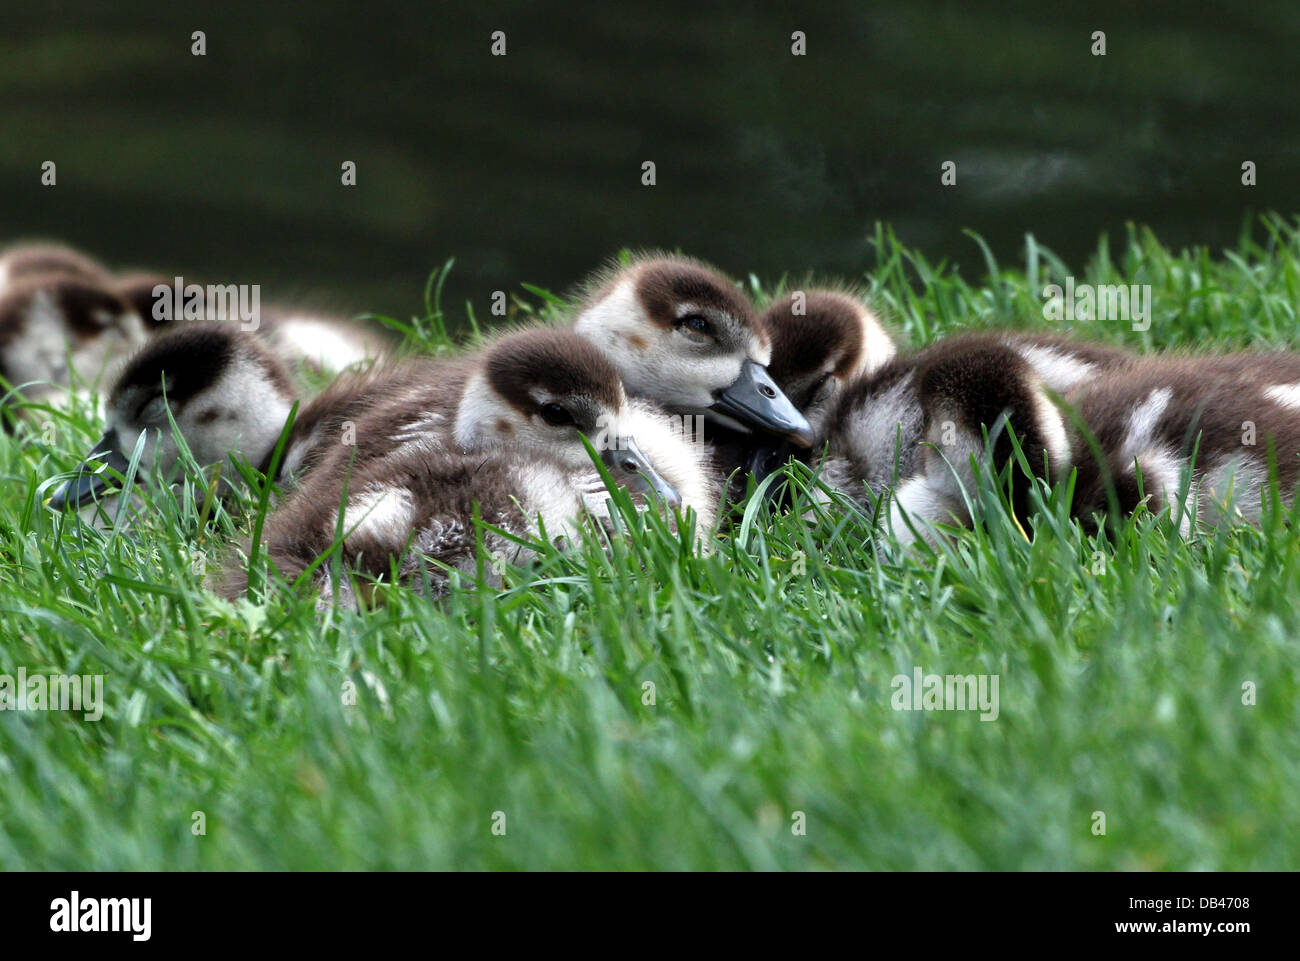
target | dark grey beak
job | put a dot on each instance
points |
(631, 469)
(765, 460)
(90, 484)
(755, 401)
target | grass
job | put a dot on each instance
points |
(1121, 664)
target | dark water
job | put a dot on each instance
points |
(528, 167)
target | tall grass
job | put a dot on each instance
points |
(653, 706)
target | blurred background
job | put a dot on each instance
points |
(527, 167)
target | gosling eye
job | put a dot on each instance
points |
(555, 415)
(154, 411)
(696, 328)
(824, 387)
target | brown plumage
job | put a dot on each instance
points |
(874, 411)
(54, 324)
(907, 424)
(23, 262)
(912, 428)
(684, 337)
(500, 429)
(388, 519)
(1204, 424)
(399, 514)
(532, 392)
(140, 290)
(1185, 433)
(821, 340)
(498, 396)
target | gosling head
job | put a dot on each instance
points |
(144, 292)
(25, 261)
(821, 340)
(226, 392)
(49, 322)
(684, 337)
(542, 391)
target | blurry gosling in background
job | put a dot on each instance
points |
(228, 394)
(22, 262)
(54, 324)
(321, 343)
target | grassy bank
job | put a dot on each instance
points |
(1121, 667)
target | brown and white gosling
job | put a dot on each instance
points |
(680, 336)
(401, 512)
(907, 427)
(322, 343)
(512, 445)
(822, 340)
(54, 324)
(1191, 435)
(22, 262)
(684, 337)
(1187, 434)
(230, 395)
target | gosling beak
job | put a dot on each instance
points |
(755, 401)
(765, 460)
(631, 469)
(90, 483)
